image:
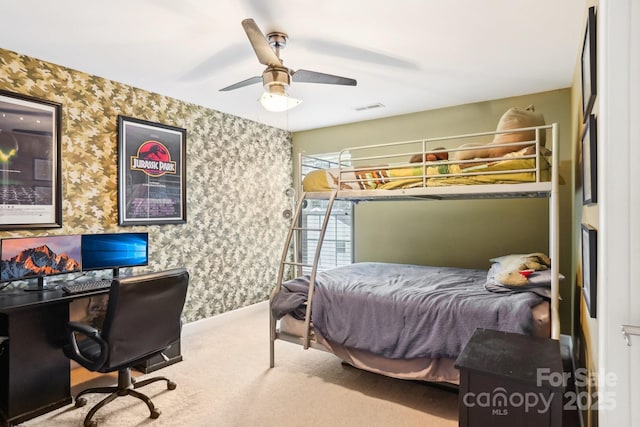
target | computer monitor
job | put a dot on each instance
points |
(116, 250)
(36, 257)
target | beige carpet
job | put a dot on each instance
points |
(225, 380)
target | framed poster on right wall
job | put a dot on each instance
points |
(588, 62)
(590, 162)
(589, 268)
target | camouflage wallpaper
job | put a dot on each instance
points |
(237, 175)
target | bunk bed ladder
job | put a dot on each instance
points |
(294, 237)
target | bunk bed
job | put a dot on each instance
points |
(409, 321)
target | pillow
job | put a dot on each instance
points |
(534, 261)
(493, 270)
(542, 278)
(513, 118)
(539, 282)
(537, 278)
(517, 118)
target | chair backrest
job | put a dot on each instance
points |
(143, 315)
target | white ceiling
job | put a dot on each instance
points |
(409, 55)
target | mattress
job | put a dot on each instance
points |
(404, 311)
(420, 369)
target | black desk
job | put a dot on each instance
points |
(34, 372)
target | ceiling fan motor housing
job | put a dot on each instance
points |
(276, 79)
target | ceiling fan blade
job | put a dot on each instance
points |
(306, 76)
(333, 48)
(263, 10)
(260, 45)
(226, 57)
(247, 82)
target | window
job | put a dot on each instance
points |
(337, 249)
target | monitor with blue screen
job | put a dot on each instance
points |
(116, 250)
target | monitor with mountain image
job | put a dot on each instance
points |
(26, 258)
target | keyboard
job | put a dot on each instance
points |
(88, 286)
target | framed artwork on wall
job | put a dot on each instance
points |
(151, 173)
(589, 268)
(589, 84)
(30, 159)
(589, 162)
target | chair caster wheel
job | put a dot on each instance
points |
(155, 414)
(171, 385)
(80, 402)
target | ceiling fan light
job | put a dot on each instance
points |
(277, 103)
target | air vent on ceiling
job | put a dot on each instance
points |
(370, 107)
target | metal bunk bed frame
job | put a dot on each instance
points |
(538, 189)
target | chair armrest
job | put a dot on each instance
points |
(74, 352)
(83, 328)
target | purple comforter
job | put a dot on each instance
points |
(405, 311)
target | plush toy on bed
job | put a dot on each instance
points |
(514, 118)
(514, 265)
(430, 157)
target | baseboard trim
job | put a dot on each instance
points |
(201, 325)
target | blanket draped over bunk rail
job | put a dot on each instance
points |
(389, 177)
(405, 311)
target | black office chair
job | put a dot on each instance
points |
(142, 321)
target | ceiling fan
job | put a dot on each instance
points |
(276, 78)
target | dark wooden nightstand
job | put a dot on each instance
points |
(510, 380)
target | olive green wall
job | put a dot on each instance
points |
(233, 237)
(464, 233)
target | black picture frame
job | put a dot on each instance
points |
(590, 268)
(588, 62)
(590, 161)
(151, 173)
(30, 196)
